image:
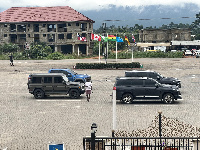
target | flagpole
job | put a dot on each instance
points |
(132, 54)
(116, 51)
(99, 52)
(107, 46)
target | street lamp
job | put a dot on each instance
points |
(94, 130)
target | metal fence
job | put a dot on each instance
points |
(140, 143)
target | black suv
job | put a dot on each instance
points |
(154, 75)
(130, 88)
(44, 84)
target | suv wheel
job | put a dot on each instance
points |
(38, 93)
(74, 94)
(168, 98)
(127, 98)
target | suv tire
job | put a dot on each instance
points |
(74, 94)
(127, 98)
(168, 98)
(38, 94)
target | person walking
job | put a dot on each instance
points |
(11, 60)
(88, 88)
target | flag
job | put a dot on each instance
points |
(111, 38)
(127, 40)
(133, 38)
(95, 37)
(81, 38)
(103, 38)
(118, 39)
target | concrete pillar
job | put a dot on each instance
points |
(72, 49)
(87, 50)
(56, 48)
(78, 50)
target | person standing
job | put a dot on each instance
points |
(11, 60)
(88, 88)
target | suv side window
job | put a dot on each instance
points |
(123, 82)
(153, 75)
(47, 79)
(131, 74)
(136, 82)
(150, 83)
(36, 79)
(58, 79)
(142, 74)
(54, 71)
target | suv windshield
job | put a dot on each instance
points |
(65, 78)
(160, 76)
(72, 72)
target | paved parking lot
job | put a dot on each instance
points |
(30, 124)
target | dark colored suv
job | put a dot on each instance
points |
(154, 75)
(44, 84)
(130, 88)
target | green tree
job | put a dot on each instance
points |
(196, 27)
(9, 48)
(39, 51)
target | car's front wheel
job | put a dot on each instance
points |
(168, 98)
(39, 94)
(127, 98)
(74, 94)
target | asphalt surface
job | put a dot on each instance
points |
(30, 124)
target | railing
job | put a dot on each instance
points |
(140, 143)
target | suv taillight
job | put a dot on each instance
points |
(114, 88)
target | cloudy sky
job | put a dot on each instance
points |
(84, 5)
(129, 12)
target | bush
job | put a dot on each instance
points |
(107, 66)
(55, 56)
(138, 54)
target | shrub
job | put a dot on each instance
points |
(55, 56)
(107, 66)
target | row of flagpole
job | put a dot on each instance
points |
(110, 38)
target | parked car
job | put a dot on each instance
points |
(188, 53)
(130, 88)
(71, 75)
(45, 84)
(154, 75)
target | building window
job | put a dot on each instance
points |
(69, 36)
(5, 35)
(28, 25)
(62, 27)
(51, 28)
(44, 35)
(36, 27)
(77, 24)
(69, 24)
(60, 36)
(12, 28)
(5, 25)
(29, 35)
(44, 25)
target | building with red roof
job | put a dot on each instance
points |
(61, 27)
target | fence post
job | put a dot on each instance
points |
(94, 129)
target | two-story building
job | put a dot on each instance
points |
(160, 39)
(59, 27)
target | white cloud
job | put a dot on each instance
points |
(93, 4)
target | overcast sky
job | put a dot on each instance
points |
(82, 5)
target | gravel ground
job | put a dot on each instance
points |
(30, 124)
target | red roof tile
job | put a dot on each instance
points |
(33, 14)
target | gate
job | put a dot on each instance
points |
(140, 143)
